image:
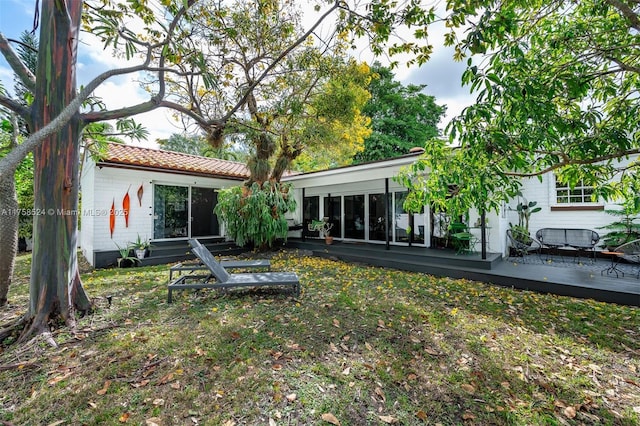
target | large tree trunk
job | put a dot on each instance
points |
(56, 290)
(8, 234)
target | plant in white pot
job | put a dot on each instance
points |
(323, 227)
(141, 247)
(125, 260)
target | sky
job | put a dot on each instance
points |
(441, 74)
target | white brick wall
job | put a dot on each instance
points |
(102, 186)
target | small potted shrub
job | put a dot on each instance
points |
(324, 228)
(141, 247)
(126, 260)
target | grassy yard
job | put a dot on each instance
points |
(360, 346)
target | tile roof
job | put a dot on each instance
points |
(139, 157)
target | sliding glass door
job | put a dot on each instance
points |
(368, 217)
(310, 212)
(183, 211)
(333, 211)
(377, 217)
(170, 211)
(203, 222)
(354, 216)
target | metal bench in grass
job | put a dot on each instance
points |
(217, 276)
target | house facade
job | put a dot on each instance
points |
(135, 192)
(152, 194)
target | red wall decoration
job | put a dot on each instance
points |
(112, 217)
(140, 192)
(126, 208)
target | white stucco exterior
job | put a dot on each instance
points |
(103, 185)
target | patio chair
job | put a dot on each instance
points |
(552, 239)
(462, 240)
(227, 264)
(630, 252)
(522, 248)
(219, 278)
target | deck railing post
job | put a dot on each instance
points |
(483, 233)
(387, 213)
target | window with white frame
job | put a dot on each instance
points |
(580, 194)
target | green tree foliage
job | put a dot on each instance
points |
(24, 192)
(27, 51)
(626, 227)
(289, 111)
(556, 89)
(198, 145)
(334, 126)
(312, 98)
(160, 39)
(402, 117)
(185, 144)
(255, 215)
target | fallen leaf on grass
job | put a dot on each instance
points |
(468, 388)
(570, 412)
(468, 416)
(60, 378)
(153, 421)
(291, 397)
(330, 418)
(124, 418)
(105, 388)
(165, 379)
(422, 415)
(380, 393)
(431, 351)
(388, 419)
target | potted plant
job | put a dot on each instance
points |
(521, 231)
(324, 228)
(126, 260)
(625, 228)
(141, 247)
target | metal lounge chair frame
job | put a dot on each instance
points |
(521, 248)
(630, 252)
(219, 278)
(227, 264)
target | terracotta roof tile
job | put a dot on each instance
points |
(136, 156)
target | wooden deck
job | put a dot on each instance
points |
(562, 276)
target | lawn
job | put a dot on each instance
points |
(360, 346)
